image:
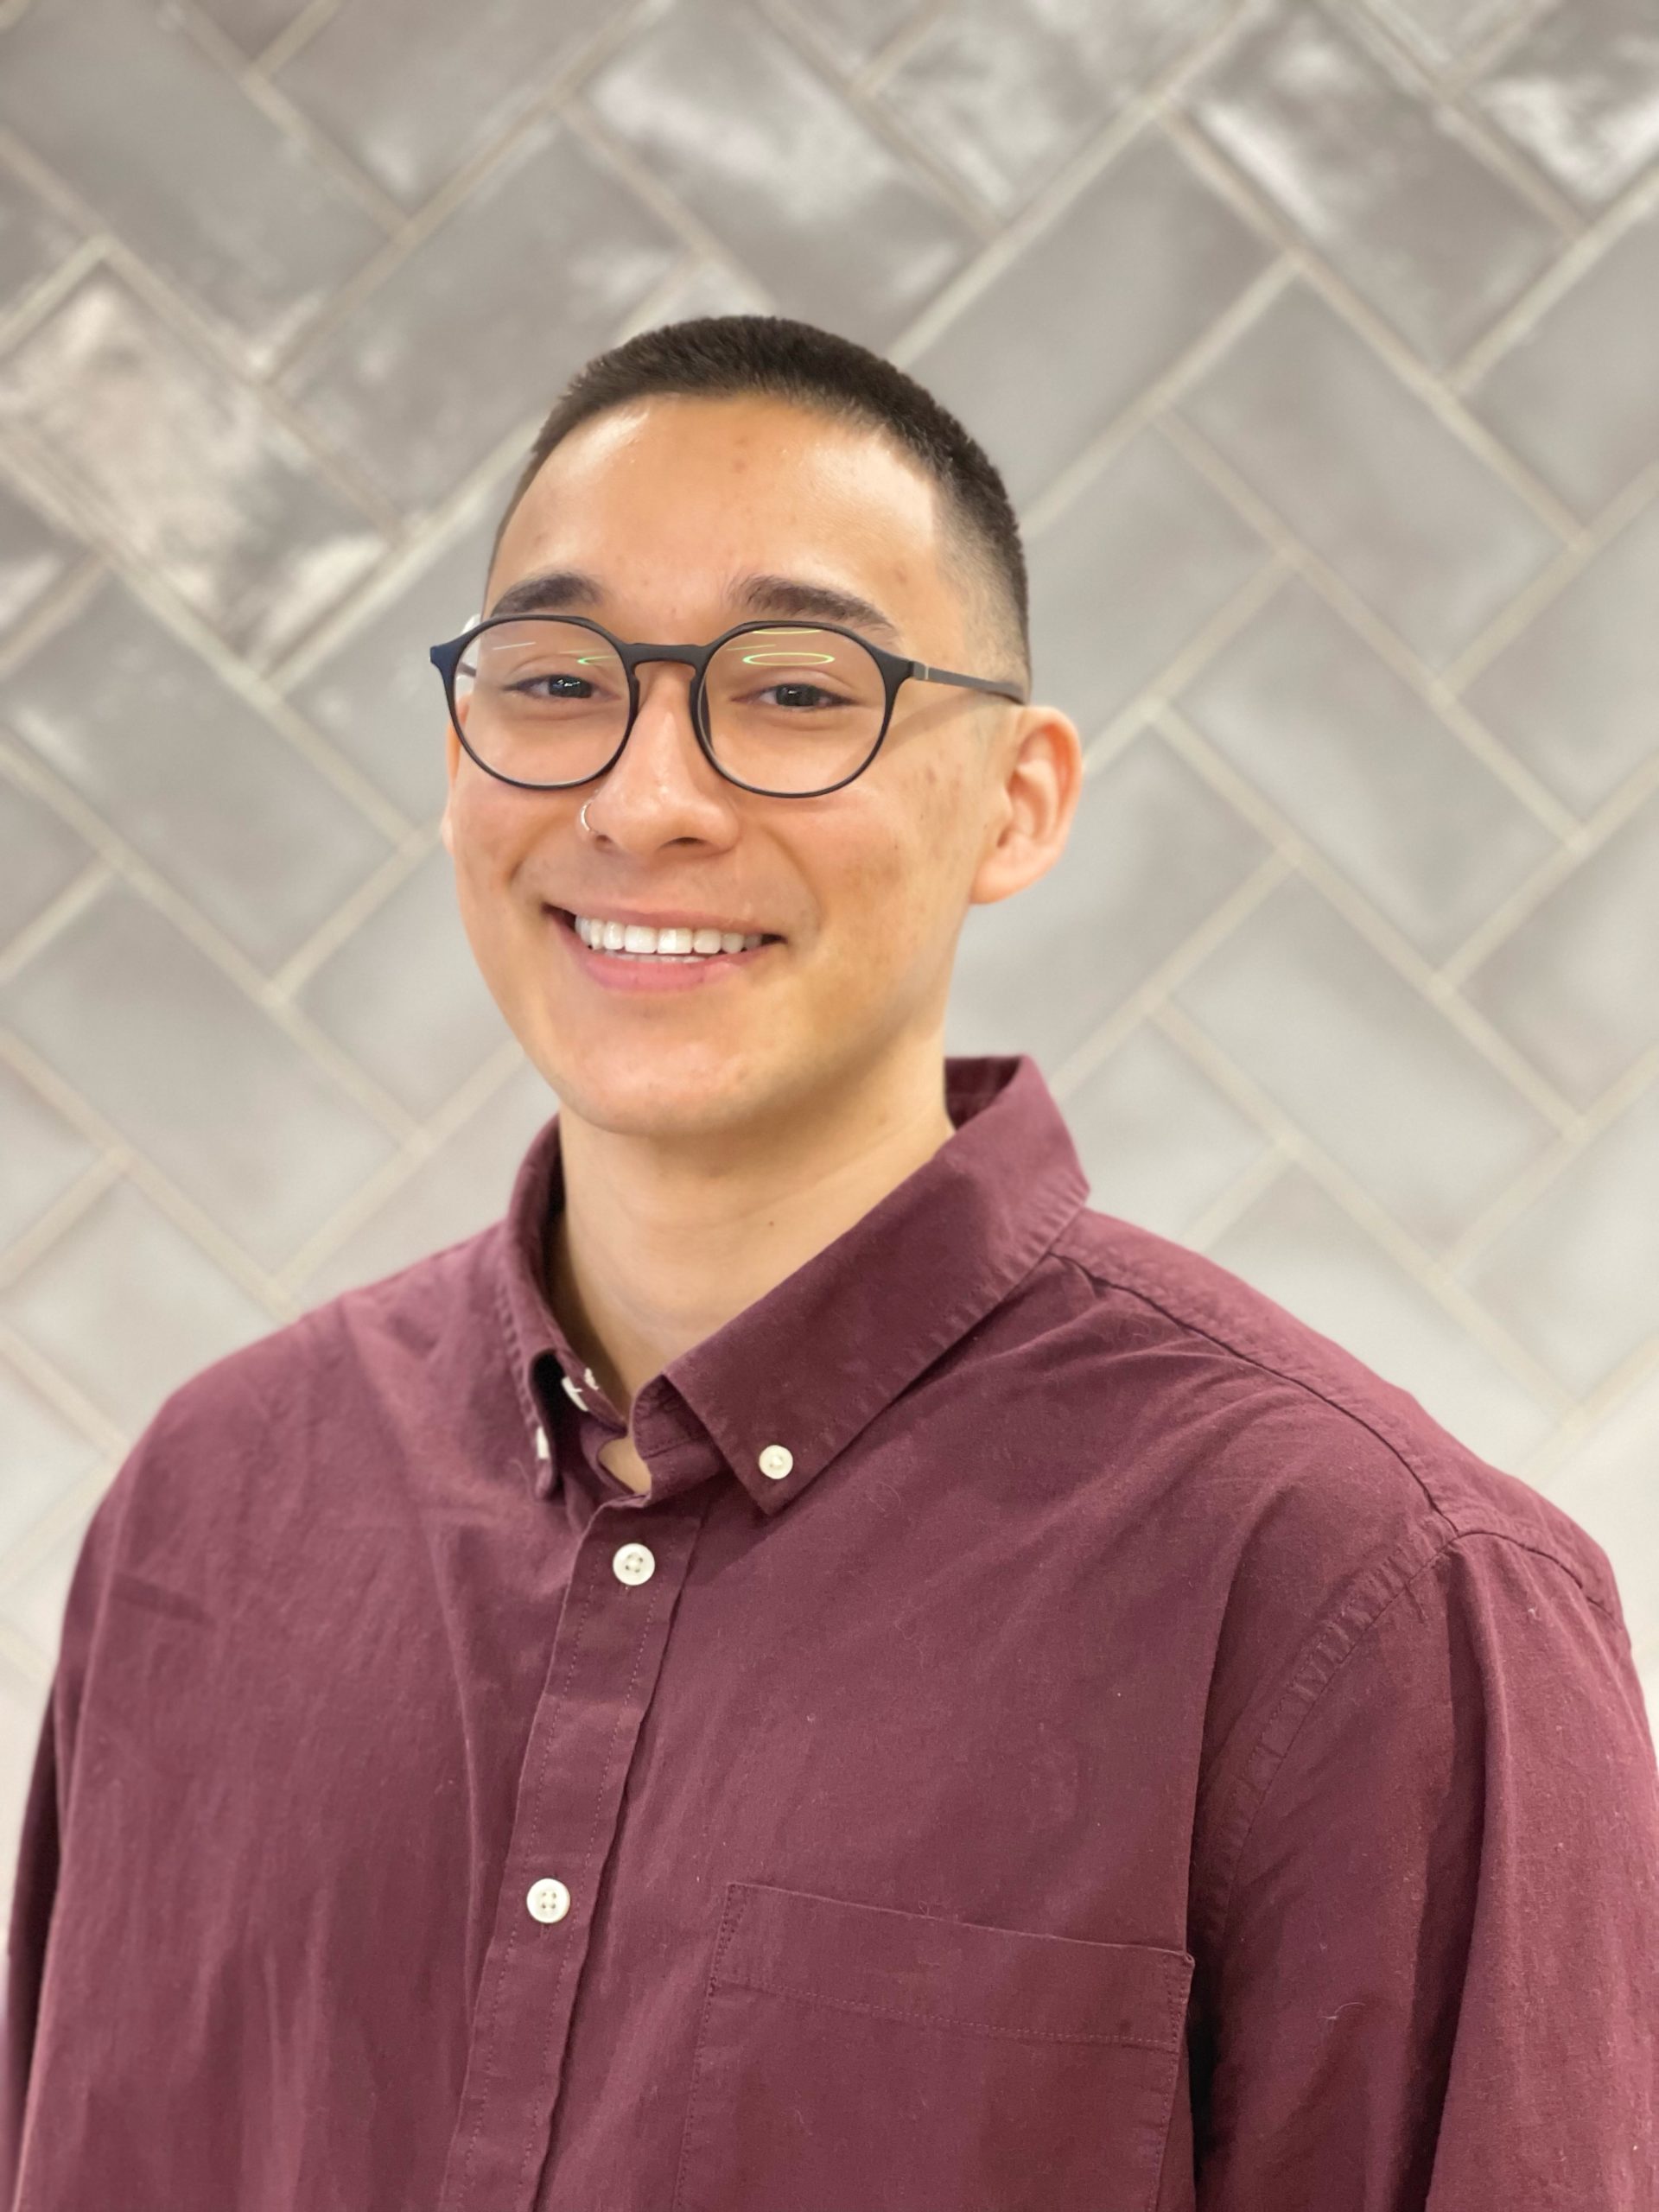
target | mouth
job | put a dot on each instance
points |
(633, 953)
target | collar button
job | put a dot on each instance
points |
(776, 1462)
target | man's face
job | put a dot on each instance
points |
(671, 510)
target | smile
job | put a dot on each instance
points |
(637, 941)
(654, 958)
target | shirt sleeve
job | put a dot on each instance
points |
(41, 1841)
(1436, 1988)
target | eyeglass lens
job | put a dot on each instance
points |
(787, 710)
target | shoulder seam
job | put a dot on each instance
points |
(1348, 1412)
(1313, 1690)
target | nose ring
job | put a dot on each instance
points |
(582, 817)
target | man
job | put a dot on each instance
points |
(804, 1670)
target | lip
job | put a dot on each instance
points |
(615, 973)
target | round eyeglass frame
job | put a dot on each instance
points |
(894, 668)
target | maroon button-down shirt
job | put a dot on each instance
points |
(1058, 1736)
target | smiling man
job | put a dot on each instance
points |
(804, 1669)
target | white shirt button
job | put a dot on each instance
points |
(548, 1900)
(776, 1461)
(634, 1564)
(542, 1451)
(572, 1393)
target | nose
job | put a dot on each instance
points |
(662, 790)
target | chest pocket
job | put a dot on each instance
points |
(852, 2058)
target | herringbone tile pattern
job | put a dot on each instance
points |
(1320, 344)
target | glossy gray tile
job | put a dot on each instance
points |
(1158, 1141)
(374, 693)
(412, 92)
(1577, 395)
(1407, 515)
(1398, 198)
(1576, 986)
(459, 1188)
(44, 1457)
(1579, 93)
(162, 1044)
(1572, 694)
(1355, 759)
(34, 238)
(189, 474)
(473, 335)
(1376, 1074)
(250, 223)
(1153, 853)
(1296, 1243)
(43, 856)
(404, 997)
(35, 555)
(191, 776)
(782, 167)
(42, 1156)
(1004, 96)
(1049, 352)
(1575, 1277)
(127, 1306)
(1121, 579)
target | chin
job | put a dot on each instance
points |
(685, 1094)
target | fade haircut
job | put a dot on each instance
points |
(739, 356)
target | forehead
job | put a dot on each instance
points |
(676, 494)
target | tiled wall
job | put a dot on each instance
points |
(1321, 347)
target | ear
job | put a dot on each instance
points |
(452, 761)
(1036, 789)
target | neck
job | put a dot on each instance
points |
(658, 1244)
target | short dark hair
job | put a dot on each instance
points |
(733, 356)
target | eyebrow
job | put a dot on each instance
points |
(555, 591)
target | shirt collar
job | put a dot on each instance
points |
(809, 1365)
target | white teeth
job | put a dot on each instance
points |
(636, 937)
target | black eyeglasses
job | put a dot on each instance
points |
(787, 709)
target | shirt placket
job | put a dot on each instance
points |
(607, 1651)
